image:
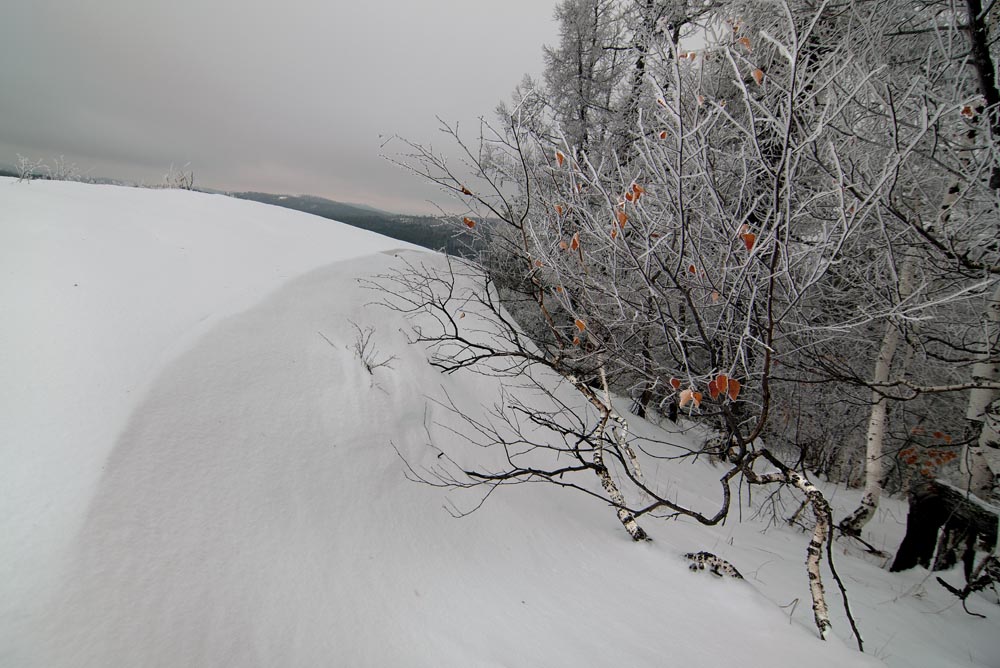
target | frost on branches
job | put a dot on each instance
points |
(780, 235)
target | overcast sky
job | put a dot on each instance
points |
(274, 95)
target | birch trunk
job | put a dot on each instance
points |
(981, 460)
(878, 419)
(607, 482)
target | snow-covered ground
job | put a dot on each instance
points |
(197, 471)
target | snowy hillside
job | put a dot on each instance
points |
(197, 471)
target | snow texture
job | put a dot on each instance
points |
(197, 471)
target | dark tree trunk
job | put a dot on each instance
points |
(942, 517)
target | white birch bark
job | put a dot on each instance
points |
(607, 482)
(878, 419)
(981, 460)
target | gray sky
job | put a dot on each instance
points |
(273, 95)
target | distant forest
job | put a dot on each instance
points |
(426, 231)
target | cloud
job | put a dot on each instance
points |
(289, 96)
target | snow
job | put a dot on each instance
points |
(198, 471)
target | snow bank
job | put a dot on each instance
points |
(101, 287)
(202, 476)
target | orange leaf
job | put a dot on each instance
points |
(560, 158)
(558, 288)
(968, 112)
(663, 134)
(637, 189)
(692, 269)
(697, 398)
(661, 102)
(575, 241)
(713, 389)
(563, 245)
(559, 209)
(654, 235)
(466, 191)
(734, 388)
(580, 324)
(674, 383)
(947, 438)
(469, 222)
(748, 240)
(722, 380)
(745, 41)
(614, 233)
(576, 340)
(629, 196)
(622, 219)
(758, 76)
(538, 263)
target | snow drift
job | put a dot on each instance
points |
(198, 472)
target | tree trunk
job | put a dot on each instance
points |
(878, 419)
(981, 460)
(943, 526)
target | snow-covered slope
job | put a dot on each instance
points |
(197, 471)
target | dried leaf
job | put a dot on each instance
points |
(622, 219)
(563, 245)
(697, 399)
(575, 241)
(538, 263)
(559, 209)
(745, 41)
(560, 158)
(686, 397)
(638, 190)
(663, 134)
(466, 191)
(576, 340)
(614, 233)
(758, 76)
(629, 197)
(968, 112)
(461, 315)
(734, 388)
(674, 383)
(722, 381)
(713, 389)
(749, 239)
(559, 288)
(660, 101)
(701, 100)
(692, 269)
(469, 222)
(580, 324)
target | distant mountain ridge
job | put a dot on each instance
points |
(426, 231)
